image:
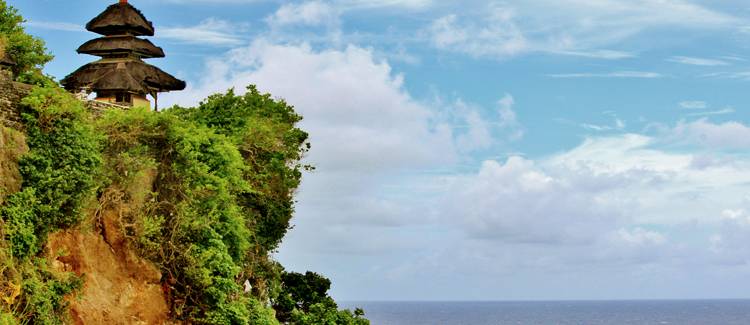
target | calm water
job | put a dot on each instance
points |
(721, 312)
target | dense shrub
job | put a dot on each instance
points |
(58, 172)
(59, 176)
(264, 131)
(304, 300)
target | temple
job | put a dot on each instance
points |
(120, 76)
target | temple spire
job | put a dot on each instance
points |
(120, 76)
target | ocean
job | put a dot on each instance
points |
(659, 312)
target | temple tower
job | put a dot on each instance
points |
(120, 76)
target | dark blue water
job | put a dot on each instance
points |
(721, 312)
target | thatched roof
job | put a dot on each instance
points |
(134, 76)
(121, 18)
(114, 44)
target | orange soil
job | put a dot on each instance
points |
(119, 287)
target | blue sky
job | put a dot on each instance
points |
(487, 150)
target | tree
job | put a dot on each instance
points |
(302, 291)
(304, 300)
(28, 52)
(265, 130)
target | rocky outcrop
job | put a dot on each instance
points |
(11, 94)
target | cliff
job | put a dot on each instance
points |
(127, 216)
(119, 287)
(12, 140)
(11, 93)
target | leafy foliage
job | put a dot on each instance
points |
(43, 295)
(304, 300)
(193, 228)
(328, 314)
(264, 131)
(29, 52)
(58, 172)
(58, 178)
(208, 226)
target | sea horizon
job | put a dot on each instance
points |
(541, 300)
(563, 312)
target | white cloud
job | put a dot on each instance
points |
(595, 127)
(599, 54)
(697, 61)
(496, 36)
(723, 111)
(364, 4)
(475, 131)
(478, 134)
(616, 202)
(612, 204)
(212, 31)
(728, 135)
(641, 237)
(311, 13)
(518, 202)
(618, 154)
(343, 4)
(355, 108)
(739, 75)
(733, 58)
(729, 242)
(617, 125)
(616, 74)
(568, 27)
(54, 25)
(603, 190)
(693, 104)
(365, 128)
(509, 119)
(646, 12)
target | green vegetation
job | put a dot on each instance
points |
(304, 300)
(216, 193)
(205, 193)
(28, 52)
(58, 179)
(58, 172)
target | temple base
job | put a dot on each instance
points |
(124, 99)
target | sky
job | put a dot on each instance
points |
(486, 150)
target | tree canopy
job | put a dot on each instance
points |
(28, 52)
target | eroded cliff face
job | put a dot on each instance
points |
(119, 287)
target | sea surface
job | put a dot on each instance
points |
(720, 312)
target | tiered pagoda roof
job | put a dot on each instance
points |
(104, 46)
(121, 68)
(121, 17)
(133, 76)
